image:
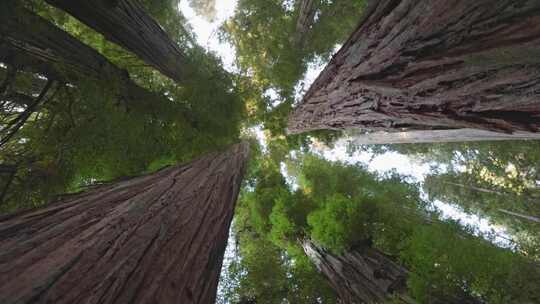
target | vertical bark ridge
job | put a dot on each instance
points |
(431, 65)
(158, 238)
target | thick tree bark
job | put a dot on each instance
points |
(126, 23)
(437, 136)
(359, 277)
(368, 276)
(28, 41)
(158, 238)
(432, 64)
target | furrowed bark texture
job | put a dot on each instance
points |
(366, 277)
(369, 276)
(126, 23)
(28, 41)
(158, 238)
(432, 64)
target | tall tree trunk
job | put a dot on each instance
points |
(432, 64)
(126, 23)
(7, 174)
(306, 17)
(359, 277)
(29, 40)
(367, 276)
(158, 238)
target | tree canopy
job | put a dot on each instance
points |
(79, 108)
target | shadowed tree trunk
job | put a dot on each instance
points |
(367, 276)
(31, 42)
(432, 64)
(158, 238)
(7, 174)
(126, 23)
(306, 17)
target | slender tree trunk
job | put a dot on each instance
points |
(432, 64)
(367, 276)
(306, 17)
(522, 216)
(158, 238)
(7, 174)
(28, 41)
(8, 78)
(510, 196)
(126, 23)
(438, 136)
(478, 189)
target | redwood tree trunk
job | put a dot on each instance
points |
(158, 238)
(432, 64)
(368, 276)
(126, 23)
(359, 277)
(31, 42)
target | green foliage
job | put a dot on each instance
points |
(357, 206)
(480, 197)
(445, 261)
(265, 278)
(275, 50)
(484, 177)
(342, 222)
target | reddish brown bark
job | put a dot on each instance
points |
(126, 23)
(359, 277)
(432, 64)
(158, 238)
(369, 276)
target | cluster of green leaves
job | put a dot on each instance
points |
(447, 261)
(356, 206)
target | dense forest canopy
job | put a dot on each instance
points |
(98, 92)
